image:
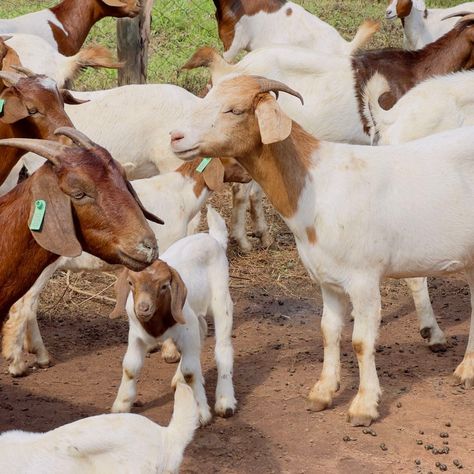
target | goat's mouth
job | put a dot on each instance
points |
(390, 16)
(188, 154)
(133, 263)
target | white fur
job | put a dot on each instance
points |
(201, 261)
(418, 30)
(105, 444)
(301, 28)
(376, 213)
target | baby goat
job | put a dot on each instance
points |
(190, 282)
(123, 443)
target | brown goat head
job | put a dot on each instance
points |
(88, 203)
(159, 295)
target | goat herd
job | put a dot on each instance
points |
(358, 213)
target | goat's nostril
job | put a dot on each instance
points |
(143, 307)
(176, 136)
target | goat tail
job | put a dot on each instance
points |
(185, 417)
(373, 112)
(363, 35)
(217, 227)
(91, 56)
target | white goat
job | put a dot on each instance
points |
(420, 24)
(177, 197)
(39, 56)
(249, 25)
(106, 444)
(189, 282)
(358, 214)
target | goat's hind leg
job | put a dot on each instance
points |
(429, 328)
(464, 373)
(240, 200)
(257, 215)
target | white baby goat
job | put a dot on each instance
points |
(106, 444)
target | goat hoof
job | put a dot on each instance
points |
(438, 347)
(464, 373)
(318, 405)
(425, 333)
(18, 370)
(360, 420)
(225, 407)
(171, 358)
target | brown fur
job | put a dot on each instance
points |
(311, 234)
(358, 348)
(404, 8)
(108, 222)
(29, 92)
(79, 16)
(229, 12)
(404, 69)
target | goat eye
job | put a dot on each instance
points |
(33, 111)
(164, 287)
(235, 112)
(78, 195)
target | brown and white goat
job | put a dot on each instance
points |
(89, 206)
(33, 107)
(66, 25)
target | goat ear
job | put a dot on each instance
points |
(213, 174)
(14, 109)
(233, 172)
(274, 124)
(115, 3)
(68, 98)
(178, 296)
(122, 289)
(57, 233)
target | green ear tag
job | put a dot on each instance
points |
(203, 164)
(2, 103)
(38, 215)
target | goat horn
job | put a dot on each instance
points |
(269, 85)
(77, 137)
(27, 72)
(10, 77)
(5, 37)
(48, 149)
(454, 15)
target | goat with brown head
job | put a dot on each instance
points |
(89, 207)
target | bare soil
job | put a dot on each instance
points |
(278, 357)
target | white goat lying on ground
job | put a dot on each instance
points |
(39, 56)
(423, 25)
(358, 214)
(177, 196)
(106, 444)
(190, 281)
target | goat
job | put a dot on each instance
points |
(177, 197)
(66, 25)
(37, 55)
(105, 443)
(252, 24)
(190, 281)
(33, 107)
(86, 205)
(420, 24)
(358, 214)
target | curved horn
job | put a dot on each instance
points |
(46, 148)
(457, 14)
(269, 85)
(10, 77)
(27, 72)
(77, 137)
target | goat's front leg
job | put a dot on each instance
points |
(240, 197)
(429, 328)
(365, 298)
(131, 367)
(335, 305)
(464, 373)
(169, 352)
(257, 215)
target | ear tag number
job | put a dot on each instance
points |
(202, 166)
(2, 104)
(38, 216)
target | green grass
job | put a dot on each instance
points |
(181, 26)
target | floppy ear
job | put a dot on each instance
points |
(148, 215)
(213, 174)
(13, 109)
(122, 289)
(115, 3)
(57, 234)
(275, 125)
(178, 296)
(68, 98)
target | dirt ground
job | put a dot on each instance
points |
(278, 357)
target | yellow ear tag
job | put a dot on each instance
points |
(38, 216)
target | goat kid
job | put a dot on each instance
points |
(177, 197)
(66, 25)
(348, 245)
(252, 24)
(118, 444)
(89, 206)
(420, 24)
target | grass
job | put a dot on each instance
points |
(181, 26)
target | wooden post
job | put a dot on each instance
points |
(133, 37)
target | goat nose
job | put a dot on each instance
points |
(150, 247)
(143, 307)
(176, 136)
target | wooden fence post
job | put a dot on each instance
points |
(133, 37)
